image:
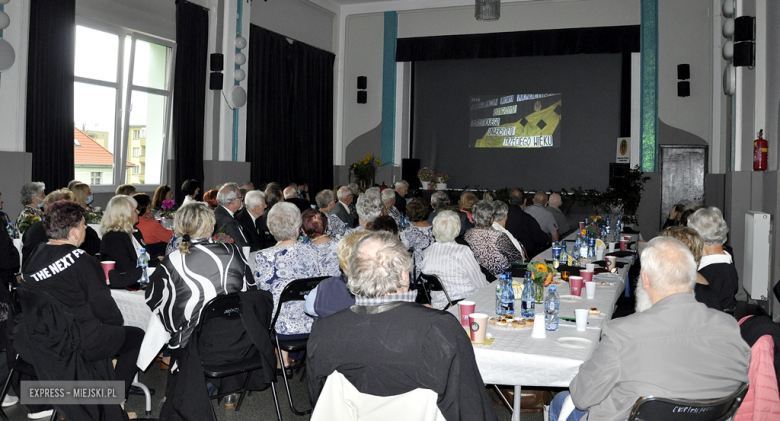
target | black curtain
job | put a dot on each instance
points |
(189, 93)
(49, 125)
(551, 42)
(289, 111)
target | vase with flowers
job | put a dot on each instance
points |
(441, 181)
(542, 276)
(364, 171)
(426, 175)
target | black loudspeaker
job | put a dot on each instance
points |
(684, 88)
(362, 82)
(618, 174)
(683, 71)
(362, 97)
(217, 63)
(744, 28)
(409, 168)
(215, 81)
(744, 54)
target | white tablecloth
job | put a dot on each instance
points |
(136, 313)
(18, 244)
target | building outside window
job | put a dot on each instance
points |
(94, 178)
(136, 152)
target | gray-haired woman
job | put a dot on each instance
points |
(32, 199)
(717, 265)
(492, 249)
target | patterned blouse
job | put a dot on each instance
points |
(328, 258)
(336, 226)
(276, 267)
(419, 238)
(492, 249)
(29, 211)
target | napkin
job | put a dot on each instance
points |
(488, 342)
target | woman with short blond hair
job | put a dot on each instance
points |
(121, 242)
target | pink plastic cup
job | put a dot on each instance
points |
(466, 308)
(623, 244)
(587, 275)
(582, 225)
(575, 282)
(108, 265)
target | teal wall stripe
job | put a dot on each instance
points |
(388, 89)
(648, 146)
(235, 82)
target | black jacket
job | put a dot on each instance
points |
(251, 228)
(526, 230)
(118, 247)
(35, 235)
(229, 225)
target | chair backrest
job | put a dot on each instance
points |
(221, 307)
(652, 408)
(433, 283)
(296, 291)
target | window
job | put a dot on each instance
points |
(94, 178)
(123, 102)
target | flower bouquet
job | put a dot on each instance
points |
(222, 238)
(425, 174)
(28, 221)
(364, 171)
(542, 276)
(93, 218)
(442, 178)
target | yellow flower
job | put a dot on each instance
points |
(582, 232)
(541, 268)
(368, 157)
(378, 161)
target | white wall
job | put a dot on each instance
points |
(153, 17)
(297, 19)
(13, 81)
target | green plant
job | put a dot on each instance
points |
(624, 201)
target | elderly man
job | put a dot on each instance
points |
(523, 226)
(291, 195)
(230, 200)
(673, 347)
(326, 204)
(353, 206)
(341, 209)
(554, 207)
(435, 354)
(544, 218)
(388, 199)
(248, 186)
(250, 218)
(439, 202)
(401, 188)
(369, 207)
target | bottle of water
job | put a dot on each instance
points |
(499, 292)
(575, 252)
(527, 309)
(551, 306)
(508, 298)
(564, 253)
(556, 252)
(143, 262)
(618, 229)
(591, 247)
(583, 250)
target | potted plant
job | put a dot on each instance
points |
(441, 181)
(364, 171)
(425, 175)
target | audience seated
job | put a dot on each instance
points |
(162, 194)
(341, 209)
(453, 263)
(500, 210)
(419, 234)
(314, 224)
(291, 195)
(369, 207)
(382, 223)
(439, 202)
(353, 206)
(466, 203)
(524, 227)
(388, 200)
(82, 195)
(210, 197)
(125, 189)
(702, 290)
(332, 294)
(673, 347)
(434, 355)
(717, 265)
(327, 205)
(32, 199)
(250, 217)
(554, 207)
(230, 201)
(155, 235)
(492, 249)
(545, 219)
(401, 188)
(82, 304)
(190, 190)
(121, 242)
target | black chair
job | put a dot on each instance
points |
(432, 283)
(229, 307)
(294, 291)
(25, 368)
(720, 409)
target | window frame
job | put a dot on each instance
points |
(124, 89)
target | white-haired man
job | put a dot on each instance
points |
(388, 199)
(544, 218)
(434, 355)
(401, 188)
(230, 201)
(341, 209)
(554, 207)
(250, 218)
(326, 204)
(291, 195)
(673, 346)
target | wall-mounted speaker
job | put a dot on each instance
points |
(217, 62)
(362, 97)
(683, 71)
(744, 54)
(744, 28)
(215, 81)
(362, 82)
(618, 175)
(683, 88)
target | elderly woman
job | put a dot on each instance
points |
(190, 190)
(419, 234)
(466, 203)
(80, 286)
(121, 242)
(369, 207)
(326, 202)
(314, 224)
(388, 199)
(162, 194)
(492, 248)
(439, 202)
(32, 199)
(210, 197)
(688, 236)
(716, 266)
(500, 210)
(453, 263)
(287, 261)
(82, 194)
(154, 234)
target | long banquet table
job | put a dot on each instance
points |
(514, 358)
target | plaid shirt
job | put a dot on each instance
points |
(409, 296)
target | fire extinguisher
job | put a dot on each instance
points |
(759, 152)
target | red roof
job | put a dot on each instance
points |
(87, 151)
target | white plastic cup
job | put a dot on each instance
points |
(590, 267)
(581, 318)
(611, 246)
(600, 253)
(539, 330)
(590, 289)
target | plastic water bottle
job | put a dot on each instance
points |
(564, 254)
(591, 248)
(583, 250)
(618, 229)
(499, 292)
(527, 309)
(508, 298)
(10, 230)
(143, 262)
(556, 252)
(575, 252)
(552, 305)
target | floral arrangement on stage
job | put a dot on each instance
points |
(364, 171)
(442, 178)
(168, 209)
(93, 218)
(425, 174)
(27, 222)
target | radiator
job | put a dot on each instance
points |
(758, 256)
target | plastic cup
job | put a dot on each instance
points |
(582, 225)
(575, 282)
(600, 253)
(581, 318)
(539, 330)
(611, 262)
(246, 250)
(108, 265)
(466, 308)
(587, 275)
(623, 244)
(590, 289)
(590, 267)
(478, 323)
(611, 246)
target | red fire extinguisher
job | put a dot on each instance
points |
(759, 152)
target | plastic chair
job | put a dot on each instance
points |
(229, 307)
(294, 291)
(432, 283)
(23, 367)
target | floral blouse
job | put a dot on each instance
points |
(420, 238)
(492, 249)
(327, 257)
(336, 226)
